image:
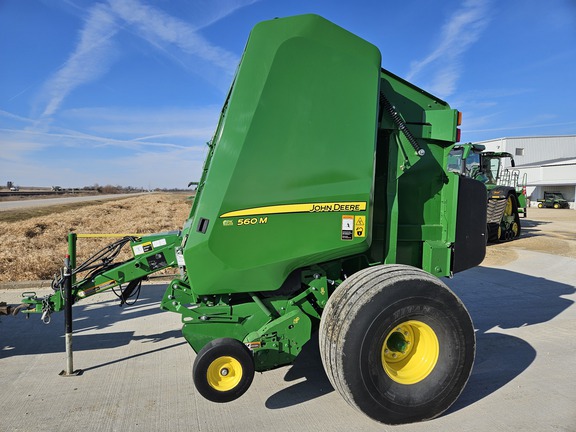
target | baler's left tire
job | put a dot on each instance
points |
(397, 344)
(223, 370)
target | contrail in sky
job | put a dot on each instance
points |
(458, 34)
(89, 60)
(95, 51)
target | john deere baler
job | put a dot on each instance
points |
(324, 205)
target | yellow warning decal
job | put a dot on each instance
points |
(142, 248)
(359, 226)
(345, 206)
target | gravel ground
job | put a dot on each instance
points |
(551, 231)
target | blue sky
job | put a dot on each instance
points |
(128, 92)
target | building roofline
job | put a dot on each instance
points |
(550, 162)
(524, 137)
(552, 183)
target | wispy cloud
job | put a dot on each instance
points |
(157, 27)
(89, 60)
(461, 30)
(28, 157)
(144, 123)
(96, 51)
(8, 116)
(18, 143)
(218, 10)
(134, 129)
(172, 165)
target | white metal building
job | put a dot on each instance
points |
(548, 161)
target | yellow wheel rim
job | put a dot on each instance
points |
(224, 373)
(410, 352)
(509, 207)
(515, 229)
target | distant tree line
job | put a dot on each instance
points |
(103, 189)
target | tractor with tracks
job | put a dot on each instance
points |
(325, 207)
(506, 190)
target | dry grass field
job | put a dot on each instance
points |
(34, 242)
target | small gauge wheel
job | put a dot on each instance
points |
(223, 370)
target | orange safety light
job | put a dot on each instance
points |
(458, 123)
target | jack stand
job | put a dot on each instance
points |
(68, 321)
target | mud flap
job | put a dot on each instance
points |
(470, 246)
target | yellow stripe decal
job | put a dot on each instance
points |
(345, 206)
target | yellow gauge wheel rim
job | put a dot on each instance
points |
(224, 373)
(410, 352)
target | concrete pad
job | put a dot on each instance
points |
(137, 369)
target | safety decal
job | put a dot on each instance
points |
(142, 248)
(159, 242)
(359, 226)
(347, 227)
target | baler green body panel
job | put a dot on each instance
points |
(292, 161)
(416, 199)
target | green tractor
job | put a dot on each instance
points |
(324, 207)
(506, 191)
(553, 200)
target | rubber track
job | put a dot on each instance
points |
(495, 210)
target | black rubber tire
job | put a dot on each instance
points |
(213, 351)
(540, 205)
(368, 306)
